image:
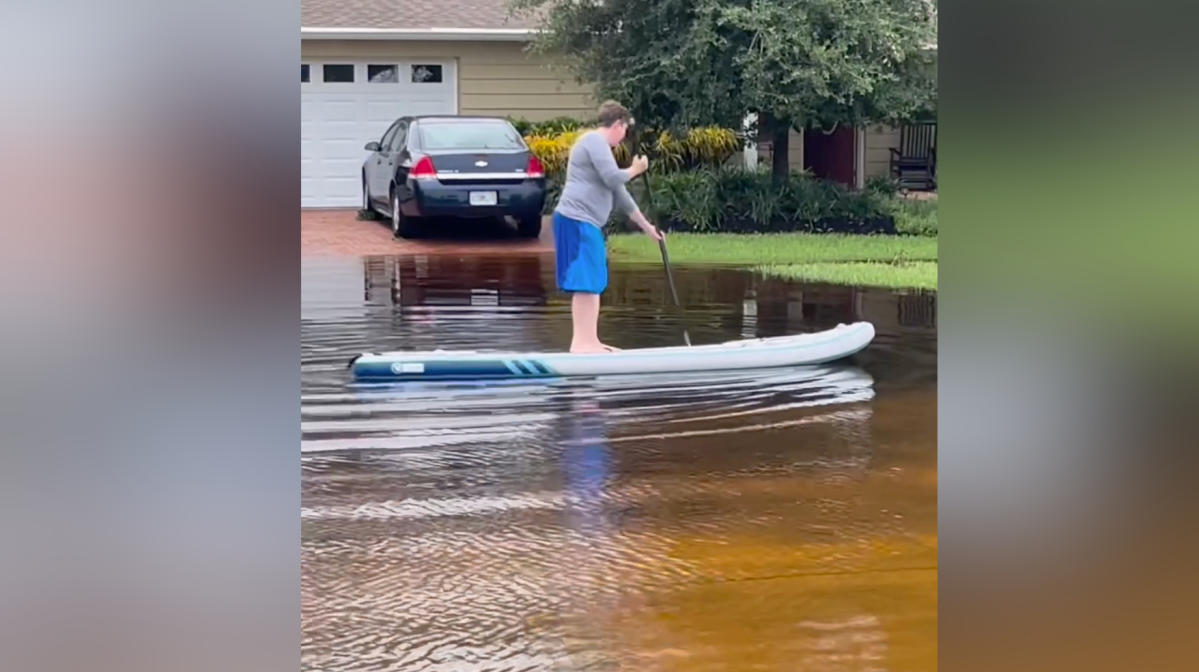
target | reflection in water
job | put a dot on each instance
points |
(779, 520)
(585, 458)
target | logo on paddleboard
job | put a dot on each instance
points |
(408, 367)
(481, 164)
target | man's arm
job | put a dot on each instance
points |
(605, 164)
(626, 204)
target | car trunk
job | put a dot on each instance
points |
(481, 168)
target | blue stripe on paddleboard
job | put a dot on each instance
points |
(512, 367)
(434, 370)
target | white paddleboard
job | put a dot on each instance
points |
(824, 346)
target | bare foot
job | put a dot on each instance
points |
(587, 349)
(590, 348)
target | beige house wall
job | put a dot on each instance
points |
(879, 140)
(494, 78)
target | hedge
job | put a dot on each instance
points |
(695, 190)
(741, 201)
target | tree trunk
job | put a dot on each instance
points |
(780, 145)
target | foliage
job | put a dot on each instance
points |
(806, 64)
(883, 184)
(707, 146)
(549, 127)
(703, 146)
(553, 151)
(915, 217)
(737, 200)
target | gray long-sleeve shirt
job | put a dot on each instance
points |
(593, 182)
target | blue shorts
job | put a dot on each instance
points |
(581, 260)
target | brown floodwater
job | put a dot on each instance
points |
(773, 520)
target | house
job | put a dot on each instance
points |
(363, 63)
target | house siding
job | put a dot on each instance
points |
(494, 78)
(879, 141)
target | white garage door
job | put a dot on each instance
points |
(346, 104)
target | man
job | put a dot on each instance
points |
(593, 183)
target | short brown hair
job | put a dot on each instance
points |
(611, 112)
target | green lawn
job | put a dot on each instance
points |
(913, 275)
(773, 248)
(895, 262)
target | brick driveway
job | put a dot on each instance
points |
(340, 233)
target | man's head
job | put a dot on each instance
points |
(615, 120)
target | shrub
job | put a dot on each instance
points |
(735, 200)
(883, 184)
(688, 198)
(553, 151)
(548, 127)
(915, 217)
(705, 146)
(708, 146)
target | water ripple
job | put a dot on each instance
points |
(647, 522)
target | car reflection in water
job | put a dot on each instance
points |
(443, 280)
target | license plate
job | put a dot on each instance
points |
(483, 198)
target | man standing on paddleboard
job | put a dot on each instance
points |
(593, 183)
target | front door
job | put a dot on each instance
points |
(833, 156)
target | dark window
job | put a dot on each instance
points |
(389, 135)
(382, 74)
(304, 72)
(339, 73)
(426, 74)
(397, 142)
(469, 135)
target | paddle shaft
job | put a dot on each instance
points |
(674, 293)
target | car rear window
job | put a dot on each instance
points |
(459, 135)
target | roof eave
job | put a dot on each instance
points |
(425, 34)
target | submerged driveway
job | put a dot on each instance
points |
(339, 233)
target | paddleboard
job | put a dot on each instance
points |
(800, 349)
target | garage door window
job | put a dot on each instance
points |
(304, 72)
(426, 74)
(339, 73)
(383, 74)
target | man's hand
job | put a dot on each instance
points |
(651, 230)
(640, 165)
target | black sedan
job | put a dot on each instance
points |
(453, 167)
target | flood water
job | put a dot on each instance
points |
(775, 520)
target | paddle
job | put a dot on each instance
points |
(674, 294)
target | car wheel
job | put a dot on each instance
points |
(529, 227)
(401, 225)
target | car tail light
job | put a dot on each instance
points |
(424, 170)
(535, 169)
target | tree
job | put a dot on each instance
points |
(795, 63)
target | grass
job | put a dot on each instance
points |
(894, 262)
(911, 275)
(775, 248)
